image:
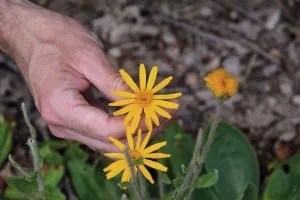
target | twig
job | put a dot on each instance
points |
(34, 150)
(189, 174)
(206, 147)
(221, 30)
(24, 171)
(132, 174)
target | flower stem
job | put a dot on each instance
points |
(142, 184)
(132, 174)
(19, 167)
(189, 174)
(161, 187)
(35, 153)
(206, 148)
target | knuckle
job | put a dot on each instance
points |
(119, 83)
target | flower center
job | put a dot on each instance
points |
(136, 157)
(144, 98)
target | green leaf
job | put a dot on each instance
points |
(84, 181)
(284, 182)
(23, 186)
(125, 184)
(54, 175)
(54, 194)
(178, 182)
(165, 178)
(207, 180)
(233, 156)
(50, 156)
(5, 140)
(74, 152)
(249, 193)
(180, 146)
(11, 193)
(184, 169)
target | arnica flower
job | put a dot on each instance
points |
(144, 99)
(140, 157)
(222, 84)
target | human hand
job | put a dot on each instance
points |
(60, 60)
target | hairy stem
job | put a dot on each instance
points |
(18, 166)
(206, 148)
(161, 187)
(132, 175)
(35, 152)
(142, 184)
(189, 174)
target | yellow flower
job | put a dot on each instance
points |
(139, 155)
(144, 99)
(222, 84)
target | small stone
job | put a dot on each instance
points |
(206, 11)
(232, 65)
(173, 52)
(115, 52)
(205, 95)
(168, 37)
(286, 89)
(272, 101)
(192, 80)
(296, 100)
(270, 70)
(288, 136)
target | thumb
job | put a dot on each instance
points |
(105, 77)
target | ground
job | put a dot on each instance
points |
(257, 41)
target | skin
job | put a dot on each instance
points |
(60, 61)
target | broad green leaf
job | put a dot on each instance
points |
(55, 194)
(50, 156)
(11, 193)
(83, 180)
(249, 193)
(207, 180)
(284, 182)
(75, 152)
(5, 140)
(233, 156)
(23, 186)
(180, 146)
(54, 175)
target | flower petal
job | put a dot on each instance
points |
(124, 110)
(166, 104)
(126, 175)
(146, 173)
(129, 80)
(154, 118)
(115, 155)
(138, 140)
(157, 155)
(116, 142)
(114, 172)
(154, 147)
(129, 138)
(161, 112)
(142, 76)
(162, 84)
(148, 119)
(152, 77)
(124, 94)
(155, 165)
(122, 102)
(115, 164)
(167, 96)
(131, 114)
(145, 141)
(135, 122)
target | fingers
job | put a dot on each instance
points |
(99, 71)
